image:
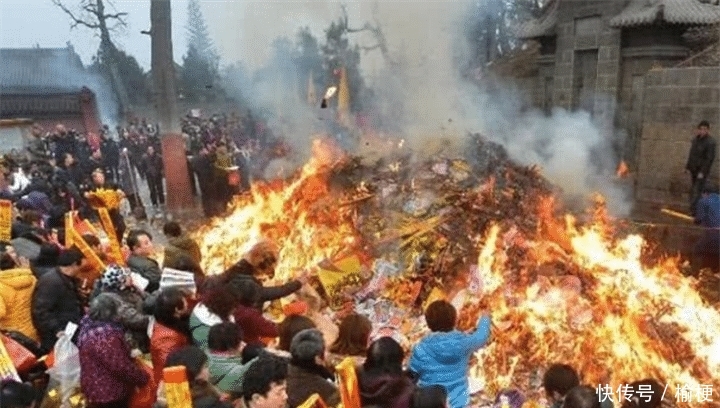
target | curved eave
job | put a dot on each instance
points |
(677, 12)
(539, 27)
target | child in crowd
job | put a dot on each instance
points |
(443, 356)
(224, 358)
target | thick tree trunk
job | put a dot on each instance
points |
(110, 56)
(163, 66)
(179, 196)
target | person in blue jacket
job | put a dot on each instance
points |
(706, 252)
(442, 357)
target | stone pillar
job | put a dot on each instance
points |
(564, 62)
(608, 79)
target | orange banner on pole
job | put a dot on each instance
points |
(79, 242)
(109, 228)
(83, 226)
(349, 385)
(313, 402)
(69, 226)
(5, 220)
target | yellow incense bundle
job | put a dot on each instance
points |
(177, 389)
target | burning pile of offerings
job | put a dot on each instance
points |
(387, 236)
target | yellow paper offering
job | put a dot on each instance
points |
(7, 368)
(177, 390)
(349, 385)
(333, 276)
(5, 220)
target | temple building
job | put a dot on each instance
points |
(46, 86)
(594, 55)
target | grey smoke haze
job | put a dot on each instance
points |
(424, 93)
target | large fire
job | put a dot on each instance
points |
(582, 295)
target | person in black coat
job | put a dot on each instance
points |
(111, 153)
(64, 142)
(153, 166)
(56, 301)
(258, 264)
(700, 160)
(203, 166)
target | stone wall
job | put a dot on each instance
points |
(675, 101)
(604, 40)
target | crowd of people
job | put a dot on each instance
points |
(130, 327)
(232, 353)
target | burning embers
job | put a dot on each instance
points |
(623, 170)
(559, 290)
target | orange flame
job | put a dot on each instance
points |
(581, 294)
(623, 170)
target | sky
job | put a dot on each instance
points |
(27, 23)
(241, 29)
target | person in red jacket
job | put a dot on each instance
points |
(170, 331)
(108, 374)
(255, 327)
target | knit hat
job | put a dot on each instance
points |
(113, 279)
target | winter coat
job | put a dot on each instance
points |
(708, 211)
(40, 270)
(107, 372)
(64, 144)
(110, 151)
(385, 391)
(227, 372)
(201, 320)
(153, 166)
(182, 245)
(36, 149)
(244, 270)
(701, 156)
(254, 325)
(131, 317)
(127, 178)
(708, 216)
(442, 358)
(73, 174)
(164, 341)
(16, 290)
(148, 268)
(302, 383)
(55, 302)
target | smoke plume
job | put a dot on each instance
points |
(422, 92)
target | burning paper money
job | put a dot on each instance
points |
(328, 94)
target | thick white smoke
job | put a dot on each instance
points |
(423, 92)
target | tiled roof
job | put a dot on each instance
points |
(542, 26)
(41, 71)
(645, 12)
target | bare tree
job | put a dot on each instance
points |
(93, 14)
(375, 29)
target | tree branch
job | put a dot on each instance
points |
(370, 48)
(366, 27)
(76, 20)
(117, 16)
(90, 8)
